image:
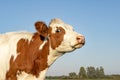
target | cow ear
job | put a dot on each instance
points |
(41, 28)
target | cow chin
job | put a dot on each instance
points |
(65, 49)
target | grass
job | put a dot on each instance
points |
(82, 79)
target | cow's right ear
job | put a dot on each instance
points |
(41, 28)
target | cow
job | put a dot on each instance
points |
(27, 56)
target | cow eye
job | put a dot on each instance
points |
(57, 31)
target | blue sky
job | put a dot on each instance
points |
(97, 20)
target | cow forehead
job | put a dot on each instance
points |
(59, 23)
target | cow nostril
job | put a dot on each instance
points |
(78, 38)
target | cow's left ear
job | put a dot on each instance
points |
(41, 28)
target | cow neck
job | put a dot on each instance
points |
(40, 63)
(53, 55)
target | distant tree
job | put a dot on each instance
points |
(72, 75)
(91, 72)
(102, 74)
(97, 72)
(82, 73)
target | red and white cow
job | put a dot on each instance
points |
(27, 56)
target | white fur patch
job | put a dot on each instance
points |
(42, 75)
(41, 46)
(25, 76)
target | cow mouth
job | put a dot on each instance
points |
(79, 45)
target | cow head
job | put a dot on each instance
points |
(62, 37)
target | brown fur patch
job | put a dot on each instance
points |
(30, 59)
(56, 38)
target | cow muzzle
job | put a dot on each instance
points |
(80, 41)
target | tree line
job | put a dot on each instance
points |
(84, 73)
(90, 72)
